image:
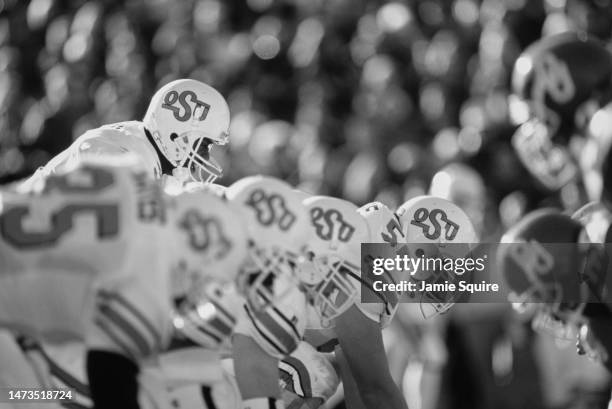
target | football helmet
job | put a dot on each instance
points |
(385, 227)
(185, 118)
(430, 223)
(210, 247)
(210, 235)
(558, 84)
(331, 274)
(541, 262)
(278, 230)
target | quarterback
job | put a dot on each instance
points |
(185, 118)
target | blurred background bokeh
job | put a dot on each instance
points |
(360, 99)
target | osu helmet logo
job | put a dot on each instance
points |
(271, 209)
(176, 103)
(533, 258)
(329, 225)
(206, 234)
(552, 78)
(431, 222)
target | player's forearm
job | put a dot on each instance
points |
(370, 393)
(256, 372)
(383, 396)
(395, 401)
(374, 398)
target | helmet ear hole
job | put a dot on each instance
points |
(173, 136)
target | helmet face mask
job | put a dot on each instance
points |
(267, 275)
(327, 282)
(562, 328)
(550, 163)
(197, 160)
(552, 316)
(432, 303)
(185, 117)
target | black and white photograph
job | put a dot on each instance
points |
(305, 204)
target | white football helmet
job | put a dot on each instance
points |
(206, 316)
(277, 225)
(210, 246)
(331, 276)
(429, 224)
(385, 227)
(185, 117)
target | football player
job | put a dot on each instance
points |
(184, 120)
(553, 260)
(347, 323)
(101, 232)
(339, 321)
(558, 84)
(271, 323)
(343, 324)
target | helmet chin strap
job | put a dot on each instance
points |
(181, 174)
(166, 166)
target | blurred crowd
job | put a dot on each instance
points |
(360, 99)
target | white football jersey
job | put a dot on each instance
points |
(91, 239)
(108, 140)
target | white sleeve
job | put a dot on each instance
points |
(133, 312)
